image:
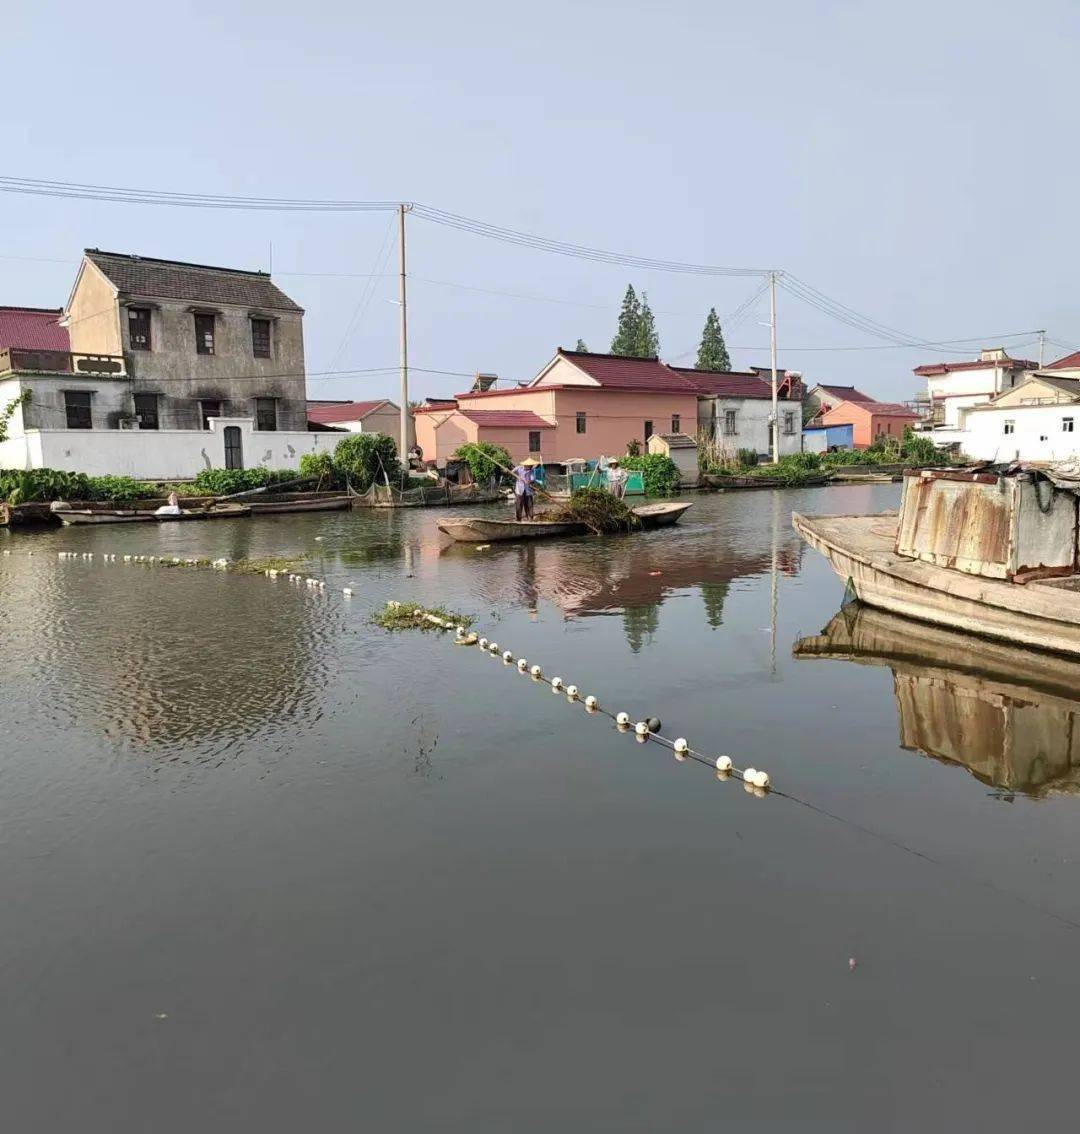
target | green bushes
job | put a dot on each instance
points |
(26, 486)
(319, 465)
(120, 488)
(746, 458)
(660, 473)
(361, 459)
(483, 460)
(226, 482)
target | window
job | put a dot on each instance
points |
(204, 333)
(77, 407)
(1066, 425)
(146, 409)
(209, 410)
(730, 423)
(648, 431)
(675, 423)
(534, 441)
(581, 422)
(266, 414)
(1009, 426)
(139, 328)
(260, 338)
(789, 421)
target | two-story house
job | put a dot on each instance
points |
(157, 368)
(199, 342)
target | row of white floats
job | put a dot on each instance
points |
(174, 561)
(754, 780)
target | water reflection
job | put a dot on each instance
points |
(164, 659)
(1008, 715)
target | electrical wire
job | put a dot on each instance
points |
(367, 293)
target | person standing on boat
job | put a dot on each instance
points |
(616, 478)
(524, 478)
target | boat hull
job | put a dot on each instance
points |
(77, 516)
(497, 531)
(1044, 614)
(660, 515)
(323, 504)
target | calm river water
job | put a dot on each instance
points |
(265, 867)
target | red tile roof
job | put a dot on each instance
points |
(844, 393)
(630, 373)
(932, 368)
(726, 383)
(890, 409)
(506, 419)
(347, 411)
(1069, 362)
(33, 328)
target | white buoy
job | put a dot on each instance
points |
(536, 671)
(622, 719)
(460, 631)
(761, 780)
(748, 775)
(591, 703)
(483, 643)
(723, 763)
(556, 684)
(508, 656)
(494, 647)
(6, 552)
(750, 789)
(522, 664)
(127, 558)
(571, 692)
(680, 746)
(347, 592)
(641, 728)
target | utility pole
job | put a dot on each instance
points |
(772, 351)
(403, 449)
(1042, 347)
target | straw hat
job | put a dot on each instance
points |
(529, 463)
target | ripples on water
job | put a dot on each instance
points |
(264, 863)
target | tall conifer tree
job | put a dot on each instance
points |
(648, 341)
(626, 337)
(713, 352)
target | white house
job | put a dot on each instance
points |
(1036, 420)
(735, 410)
(952, 387)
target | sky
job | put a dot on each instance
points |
(911, 161)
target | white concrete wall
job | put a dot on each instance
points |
(168, 454)
(1039, 435)
(752, 424)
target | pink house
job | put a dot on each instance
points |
(579, 405)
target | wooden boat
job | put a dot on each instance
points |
(299, 502)
(660, 515)
(468, 530)
(102, 515)
(465, 529)
(1006, 714)
(1044, 613)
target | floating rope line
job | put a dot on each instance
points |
(755, 781)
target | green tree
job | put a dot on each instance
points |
(581, 346)
(648, 341)
(361, 459)
(713, 352)
(625, 341)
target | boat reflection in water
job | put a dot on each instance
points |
(1008, 715)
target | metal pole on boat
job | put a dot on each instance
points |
(772, 354)
(404, 328)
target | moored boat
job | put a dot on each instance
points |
(91, 514)
(979, 552)
(660, 515)
(299, 502)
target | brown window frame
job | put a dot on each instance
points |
(267, 326)
(580, 421)
(731, 423)
(676, 421)
(202, 345)
(789, 423)
(75, 409)
(139, 341)
(649, 431)
(534, 433)
(260, 406)
(148, 419)
(203, 403)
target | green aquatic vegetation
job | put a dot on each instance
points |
(410, 616)
(272, 563)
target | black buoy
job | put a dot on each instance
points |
(654, 724)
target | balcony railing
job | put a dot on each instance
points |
(25, 361)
